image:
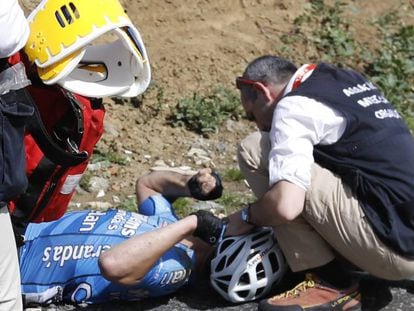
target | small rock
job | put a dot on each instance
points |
(101, 193)
(98, 165)
(197, 152)
(110, 129)
(98, 183)
(116, 199)
(99, 205)
(207, 205)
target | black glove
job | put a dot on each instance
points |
(195, 189)
(210, 228)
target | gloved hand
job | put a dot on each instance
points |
(210, 228)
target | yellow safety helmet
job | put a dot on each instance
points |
(63, 46)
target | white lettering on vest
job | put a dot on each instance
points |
(359, 88)
(372, 100)
(62, 253)
(90, 220)
(387, 113)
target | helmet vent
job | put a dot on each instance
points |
(260, 271)
(259, 291)
(251, 255)
(243, 293)
(220, 266)
(235, 254)
(67, 14)
(259, 235)
(259, 243)
(221, 285)
(274, 263)
(225, 244)
(225, 278)
(244, 279)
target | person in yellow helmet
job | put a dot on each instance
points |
(59, 39)
(69, 68)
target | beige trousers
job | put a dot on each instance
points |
(10, 292)
(332, 221)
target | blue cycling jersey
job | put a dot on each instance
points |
(59, 260)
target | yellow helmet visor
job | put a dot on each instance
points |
(61, 27)
(61, 46)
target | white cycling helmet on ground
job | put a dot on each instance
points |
(245, 268)
(89, 47)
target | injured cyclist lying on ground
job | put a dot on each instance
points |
(100, 256)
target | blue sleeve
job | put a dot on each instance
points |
(59, 261)
(171, 272)
(157, 205)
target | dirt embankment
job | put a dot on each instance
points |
(194, 46)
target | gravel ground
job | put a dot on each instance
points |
(377, 295)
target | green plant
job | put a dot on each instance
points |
(85, 179)
(233, 201)
(391, 66)
(324, 32)
(160, 98)
(128, 204)
(230, 201)
(155, 96)
(110, 156)
(205, 114)
(233, 174)
(335, 41)
(182, 207)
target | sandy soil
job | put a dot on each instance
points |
(193, 46)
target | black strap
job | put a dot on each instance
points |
(68, 131)
(26, 205)
(37, 180)
(45, 200)
(4, 64)
(49, 147)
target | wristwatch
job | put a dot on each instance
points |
(246, 215)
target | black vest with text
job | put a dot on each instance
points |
(374, 156)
